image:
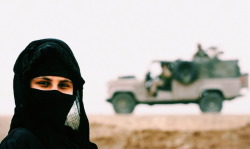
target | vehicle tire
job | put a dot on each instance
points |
(185, 72)
(123, 103)
(211, 102)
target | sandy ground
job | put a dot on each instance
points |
(165, 131)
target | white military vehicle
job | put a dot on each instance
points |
(206, 81)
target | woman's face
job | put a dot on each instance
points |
(61, 84)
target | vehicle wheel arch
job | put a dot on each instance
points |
(204, 92)
(125, 92)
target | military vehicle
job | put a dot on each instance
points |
(205, 80)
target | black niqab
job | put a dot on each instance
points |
(50, 57)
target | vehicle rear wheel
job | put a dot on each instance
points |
(211, 102)
(123, 103)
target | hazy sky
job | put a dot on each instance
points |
(119, 37)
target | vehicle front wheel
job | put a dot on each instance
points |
(123, 103)
(211, 102)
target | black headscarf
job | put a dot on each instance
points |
(39, 110)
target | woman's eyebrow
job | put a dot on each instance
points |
(66, 81)
(45, 78)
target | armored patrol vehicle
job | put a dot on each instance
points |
(205, 80)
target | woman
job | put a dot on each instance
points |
(49, 112)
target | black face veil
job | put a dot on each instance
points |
(50, 57)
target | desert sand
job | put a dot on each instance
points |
(205, 131)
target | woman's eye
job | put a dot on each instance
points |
(63, 85)
(44, 83)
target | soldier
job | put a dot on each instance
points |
(163, 80)
(200, 53)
